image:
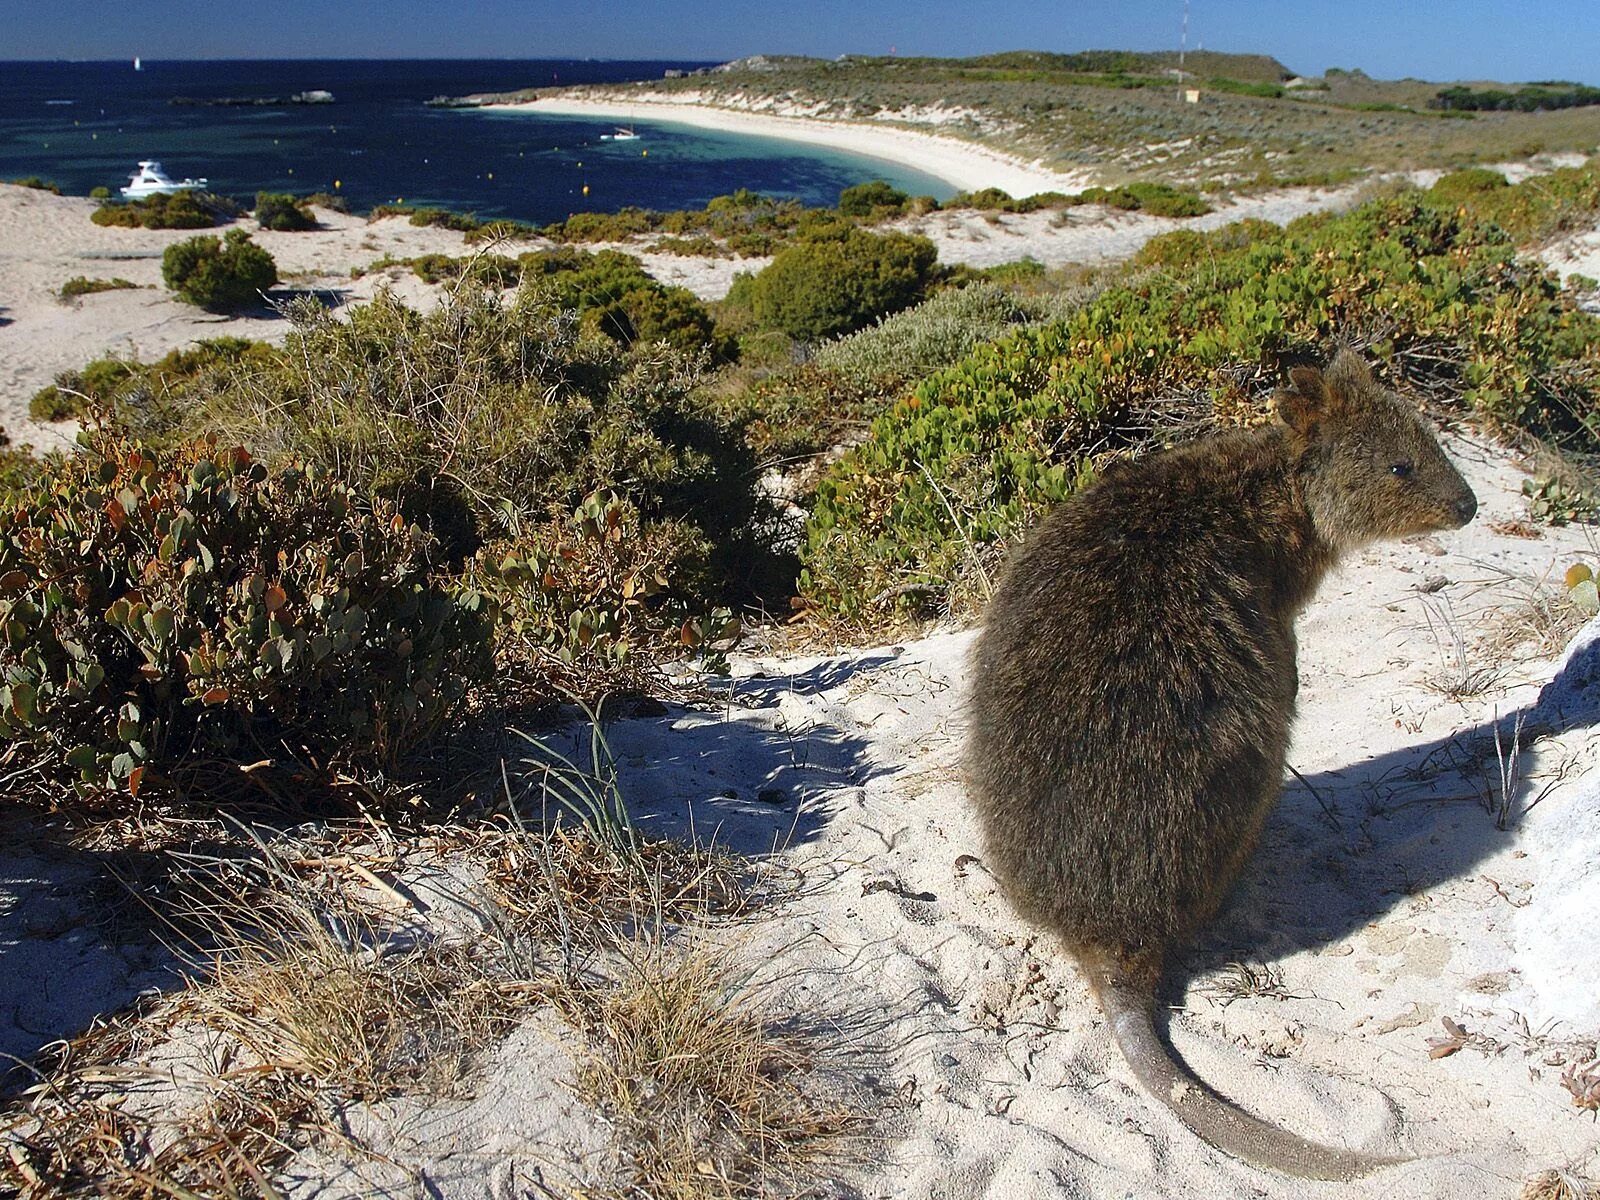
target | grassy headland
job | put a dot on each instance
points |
(1123, 114)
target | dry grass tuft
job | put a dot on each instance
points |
(1242, 980)
(712, 1090)
(1557, 1184)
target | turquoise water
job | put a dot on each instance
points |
(85, 125)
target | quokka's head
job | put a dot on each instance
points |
(1372, 466)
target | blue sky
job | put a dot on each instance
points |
(1432, 39)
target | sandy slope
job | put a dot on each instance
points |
(1386, 905)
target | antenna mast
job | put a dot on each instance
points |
(1183, 46)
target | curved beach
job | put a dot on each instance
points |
(962, 164)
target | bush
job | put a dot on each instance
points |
(172, 210)
(1539, 208)
(282, 213)
(837, 283)
(155, 402)
(99, 193)
(953, 471)
(485, 414)
(162, 609)
(1459, 187)
(80, 285)
(486, 270)
(873, 200)
(585, 601)
(37, 184)
(920, 340)
(422, 217)
(614, 294)
(219, 276)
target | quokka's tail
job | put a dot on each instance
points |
(1225, 1125)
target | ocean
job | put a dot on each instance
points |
(86, 124)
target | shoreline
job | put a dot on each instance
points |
(964, 165)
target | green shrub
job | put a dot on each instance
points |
(873, 200)
(163, 609)
(614, 294)
(486, 270)
(156, 402)
(80, 285)
(99, 193)
(219, 276)
(484, 414)
(331, 201)
(18, 469)
(917, 512)
(939, 331)
(585, 601)
(37, 184)
(282, 213)
(1460, 186)
(1532, 211)
(834, 284)
(172, 210)
(1157, 199)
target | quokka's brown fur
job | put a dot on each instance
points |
(1135, 683)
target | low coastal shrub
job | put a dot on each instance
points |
(37, 184)
(486, 270)
(837, 282)
(743, 223)
(1535, 210)
(80, 285)
(156, 402)
(219, 275)
(874, 199)
(586, 601)
(282, 213)
(913, 517)
(18, 468)
(613, 293)
(483, 414)
(175, 210)
(941, 330)
(100, 193)
(444, 218)
(163, 610)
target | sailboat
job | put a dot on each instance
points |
(624, 133)
(138, 64)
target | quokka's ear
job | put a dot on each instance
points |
(1348, 378)
(1306, 402)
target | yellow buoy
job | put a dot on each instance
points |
(491, 174)
(336, 184)
(586, 189)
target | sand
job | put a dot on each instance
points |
(962, 164)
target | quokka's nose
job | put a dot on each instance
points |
(1465, 508)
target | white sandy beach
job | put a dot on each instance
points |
(964, 165)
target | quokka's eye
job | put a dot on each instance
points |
(1400, 470)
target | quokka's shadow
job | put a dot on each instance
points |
(748, 781)
(1346, 846)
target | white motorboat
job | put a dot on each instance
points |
(151, 180)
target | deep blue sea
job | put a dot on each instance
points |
(86, 124)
